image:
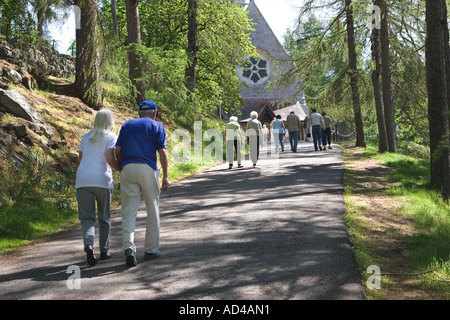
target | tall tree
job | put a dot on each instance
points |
(192, 47)
(353, 70)
(376, 56)
(87, 79)
(437, 64)
(389, 116)
(114, 17)
(134, 60)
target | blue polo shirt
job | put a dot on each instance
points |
(140, 139)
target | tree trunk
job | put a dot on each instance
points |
(389, 117)
(446, 138)
(134, 60)
(382, 139)
(114, 17)
(192, 48)
(353, 70)
(78, 44)
(40, 23)
(436, 49)
(88, 58)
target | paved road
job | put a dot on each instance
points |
(271, 233)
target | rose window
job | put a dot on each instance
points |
(256, 70)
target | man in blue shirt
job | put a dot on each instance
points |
(136, 151)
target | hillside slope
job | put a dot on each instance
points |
(68, 118)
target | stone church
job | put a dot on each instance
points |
(272, 62)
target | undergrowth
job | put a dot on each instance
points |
(35, 201)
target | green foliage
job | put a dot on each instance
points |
(26, 20)
(319, 50)
(320, 53)
(163, 72)
(224, 42)
(34, 201)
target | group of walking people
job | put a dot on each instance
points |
(319, 126)
(134, 154)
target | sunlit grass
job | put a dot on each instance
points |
(408, 184)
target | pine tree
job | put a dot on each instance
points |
(87, 79)
(353, 70)
(192, 47)
(438, 67)
(134, 60)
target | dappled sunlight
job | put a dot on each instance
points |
(225, 234)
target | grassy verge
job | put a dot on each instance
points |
(397, 223)
(35, 201)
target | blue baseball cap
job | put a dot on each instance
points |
(147, 105)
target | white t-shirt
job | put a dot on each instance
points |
(315, 119)
(93, 170)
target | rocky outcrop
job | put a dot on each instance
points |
(13, 102)
(40, 62)
(10, 73)
(25, 65)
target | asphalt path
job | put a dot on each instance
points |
(274, 232)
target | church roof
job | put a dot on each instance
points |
(266, 112)
(299, 109)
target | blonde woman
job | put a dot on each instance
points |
(94, 183)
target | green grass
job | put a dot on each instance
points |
(21, 226)
(34, 202)
(425, 206)
(429, 246)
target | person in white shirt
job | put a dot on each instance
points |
(254, 133)
(94, 183)
(316, 124)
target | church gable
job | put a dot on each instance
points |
(262, 70)
(263, 36)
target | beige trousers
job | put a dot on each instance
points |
(137, 179)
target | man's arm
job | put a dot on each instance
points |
(118, 154)
(164, 159)
(111, 159)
